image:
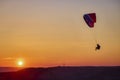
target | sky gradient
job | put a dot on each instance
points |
(53, 33)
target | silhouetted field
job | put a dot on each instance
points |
(9, 69)
(64, 73)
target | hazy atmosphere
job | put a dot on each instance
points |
(43, 33)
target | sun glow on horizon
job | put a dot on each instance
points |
(20, 63)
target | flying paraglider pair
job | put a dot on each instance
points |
(90, 19)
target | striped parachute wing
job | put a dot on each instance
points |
(90, 19)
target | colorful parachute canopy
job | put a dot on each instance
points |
(90, 19)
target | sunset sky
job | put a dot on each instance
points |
(46, 33)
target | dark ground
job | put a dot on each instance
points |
(64, 73)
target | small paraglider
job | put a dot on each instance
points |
(90, 19)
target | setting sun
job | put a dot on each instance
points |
(20, 63)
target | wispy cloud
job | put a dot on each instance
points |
(8, 58)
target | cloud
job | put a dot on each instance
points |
(8, 58)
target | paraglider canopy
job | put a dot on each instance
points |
(90, 19)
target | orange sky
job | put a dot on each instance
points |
(52, 33)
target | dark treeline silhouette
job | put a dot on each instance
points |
(64, 73)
